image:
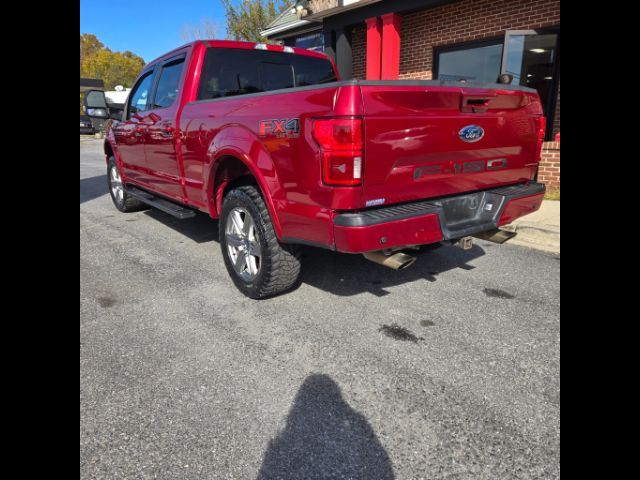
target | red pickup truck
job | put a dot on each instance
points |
(268, 140)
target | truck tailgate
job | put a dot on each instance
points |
(423, 141)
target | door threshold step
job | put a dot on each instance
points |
(166, 206)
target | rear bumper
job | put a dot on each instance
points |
(434, 220)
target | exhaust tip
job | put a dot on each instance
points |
(395, 261)
(407, 263)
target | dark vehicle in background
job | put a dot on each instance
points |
(86, 128)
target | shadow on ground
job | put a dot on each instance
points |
(340, 273)
(325, 438)
(93, 187)
(336, 273)
(343, 274)
(201, 228)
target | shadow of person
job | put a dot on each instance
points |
(325, 438)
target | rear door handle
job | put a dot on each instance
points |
(167, 132)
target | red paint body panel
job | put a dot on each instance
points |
(410, 127)
(520, 207)
(410, 231)
(407, 129)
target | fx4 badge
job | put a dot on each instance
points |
(283, 127)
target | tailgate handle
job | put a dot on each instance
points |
(477, 101)
(475, 104)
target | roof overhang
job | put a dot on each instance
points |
(339, 9)
(283, 28)
(91, 84)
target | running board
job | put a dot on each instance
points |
(166, 206)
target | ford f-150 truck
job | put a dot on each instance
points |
(268, 140)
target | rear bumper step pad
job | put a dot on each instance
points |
(458, 216)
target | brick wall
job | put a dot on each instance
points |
(556, 116)
(359, 51)
(464, 21)
(549, 170)
(468, 20)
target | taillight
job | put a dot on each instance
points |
(340, 140)
(541, 131)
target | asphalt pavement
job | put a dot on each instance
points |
(446, 370)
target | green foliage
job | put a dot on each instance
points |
(247, 18)
(552, 194)
(205, 30)
(114, 68)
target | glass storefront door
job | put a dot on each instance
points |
(532, 58)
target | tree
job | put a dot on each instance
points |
(89, 46)
(247, 18)
(114, 68)
(205, 30)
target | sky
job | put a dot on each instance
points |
(148, 29)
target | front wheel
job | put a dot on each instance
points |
(258, 264)
(121, 199)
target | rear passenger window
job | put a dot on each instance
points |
(233, 78)
(167, 90)
(230, 72)
(275, 76)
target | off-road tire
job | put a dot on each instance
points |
(279, 264)
(127, 203)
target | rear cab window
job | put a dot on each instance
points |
(228, 72)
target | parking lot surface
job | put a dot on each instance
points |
(449, 369)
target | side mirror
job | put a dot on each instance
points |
(94, 104)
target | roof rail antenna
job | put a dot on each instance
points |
(261, 46)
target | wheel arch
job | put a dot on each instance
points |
(230, 168)
(111, 151)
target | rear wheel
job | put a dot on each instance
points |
(121, 199)
(258, 264)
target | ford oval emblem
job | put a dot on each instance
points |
(471, 133)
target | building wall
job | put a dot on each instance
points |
(319, 5)
(549, 169)
(465, 21)
(556, 117)
(359, 51)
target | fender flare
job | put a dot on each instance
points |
(258, 162)
(110, 140)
